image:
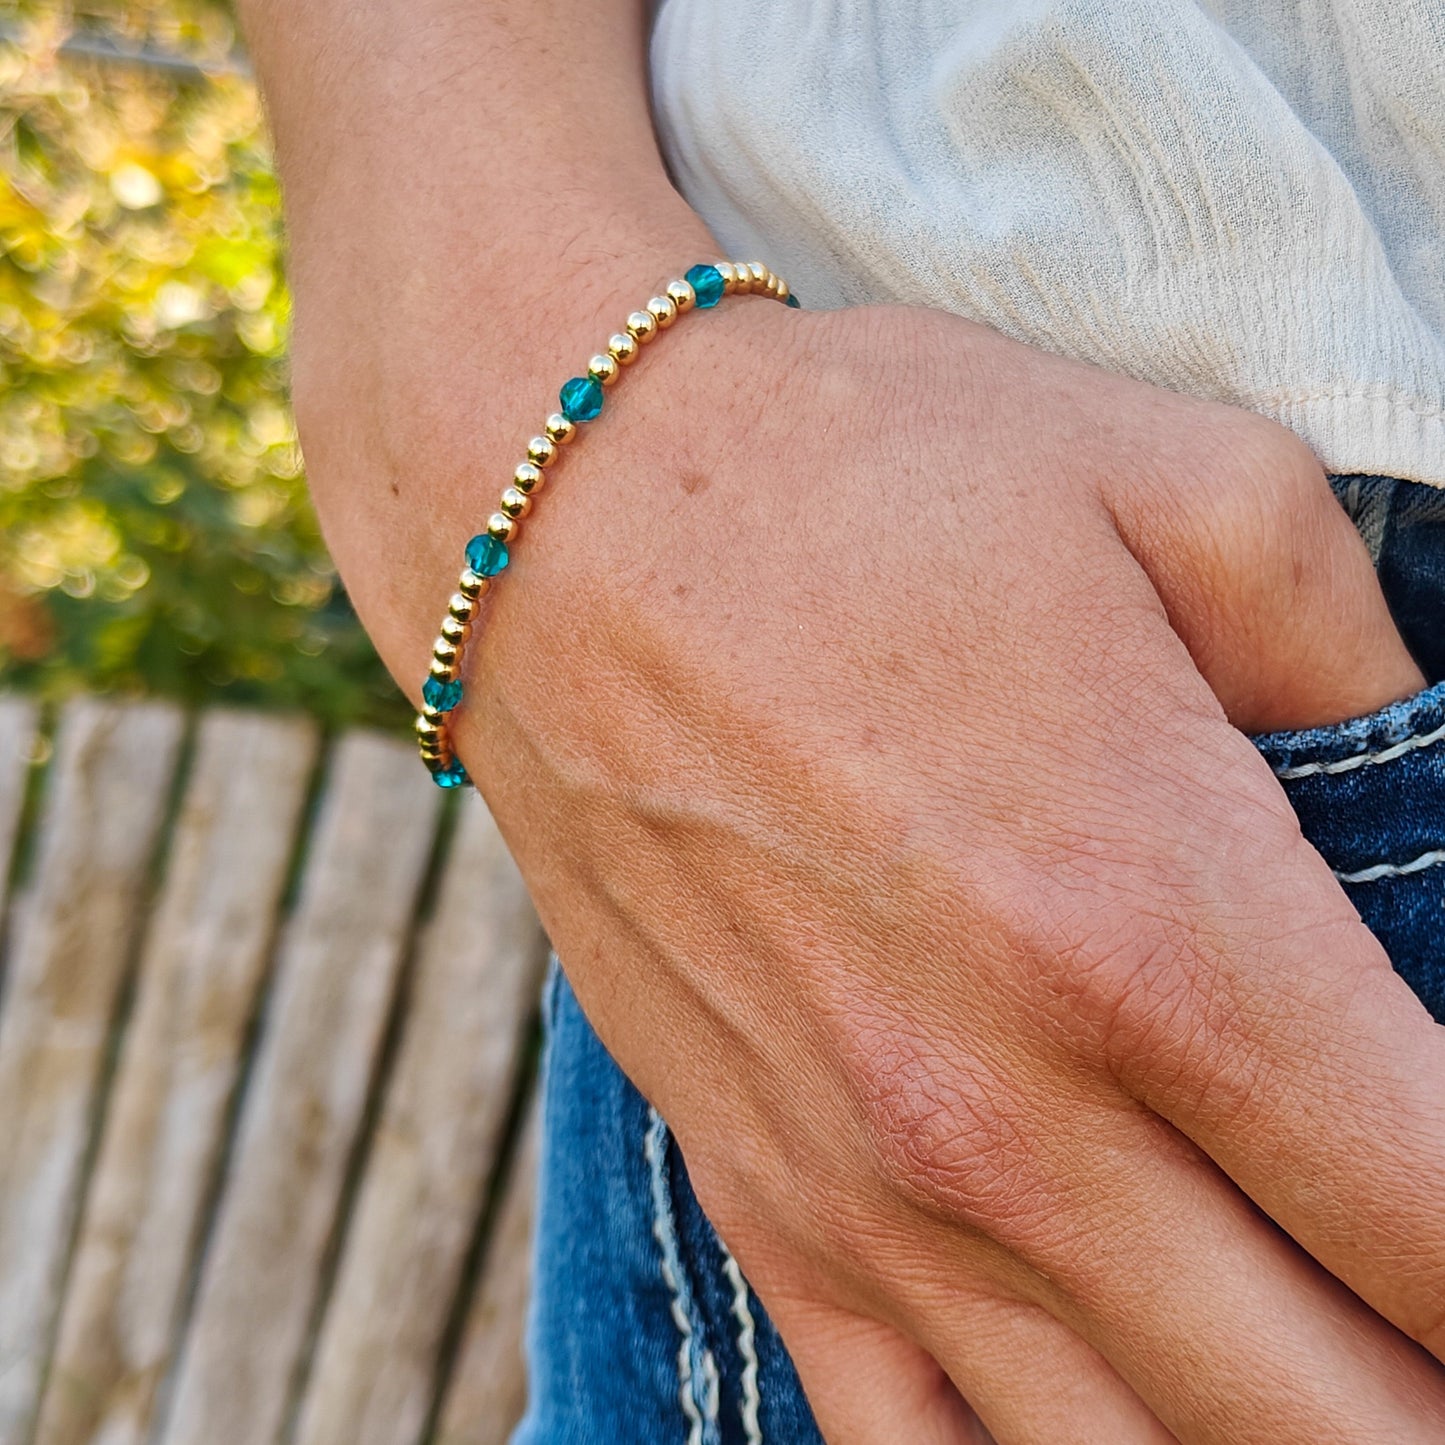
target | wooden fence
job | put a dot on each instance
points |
(265, 1013)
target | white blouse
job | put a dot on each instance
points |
(1241, 199)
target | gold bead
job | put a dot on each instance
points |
(760, 274)
(604, 368)
(780, 290)
(502, 527)
(442, 671)
(433, 716)
(444, 650)
(623, 348)
(461, 607)
(426, 729)
(516, 503)
(742, 278)
(528, 478)
(681, 294)
(436, 758)
(455, 631)
(729, 276)
(541, 451)
(663, 310)
(473, 585)
(642, 326)
(559, 429)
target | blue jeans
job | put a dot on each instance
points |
(643, 1332)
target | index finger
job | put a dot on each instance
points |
(1288, 1048)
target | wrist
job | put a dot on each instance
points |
(412, 449)
(617, 510)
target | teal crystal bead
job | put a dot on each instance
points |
(582, 399)
(454, 775)
(793, 301)
(441, 696)
(485, 554)
(707, 285)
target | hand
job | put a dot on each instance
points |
(836, 707)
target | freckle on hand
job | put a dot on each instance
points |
(693, 482)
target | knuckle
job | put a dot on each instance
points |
(1273, 453)
(1253, 458)
(1133, 988)
(1179, 997)
(949, 1136)
(1261, 513)
(1155, 1006)
(1240, 498)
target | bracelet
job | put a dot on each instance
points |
(581, 398)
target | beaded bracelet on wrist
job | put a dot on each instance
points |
(581, 401)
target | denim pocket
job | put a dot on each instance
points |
(1370, 795)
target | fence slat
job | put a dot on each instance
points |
(201, 968)
(326, 1015)
(17, 738)
(106, 800)
(472, 999)
(489, 1383)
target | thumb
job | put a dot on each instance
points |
(1271, 588)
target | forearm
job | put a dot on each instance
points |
(515, 130)
(474, 199)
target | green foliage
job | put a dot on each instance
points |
(155, 533)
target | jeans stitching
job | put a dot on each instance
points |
(1362, 760)
(747, 1348)
(696, 1369)
(1433, 859)
(551, 990)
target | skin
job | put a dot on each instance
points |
(862, 706)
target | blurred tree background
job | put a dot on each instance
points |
(155, 534)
